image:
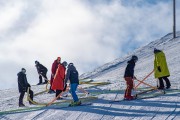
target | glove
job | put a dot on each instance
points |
(65, 87)
(159, 69)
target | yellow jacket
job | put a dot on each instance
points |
(160, 60)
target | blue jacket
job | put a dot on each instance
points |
(72, 75)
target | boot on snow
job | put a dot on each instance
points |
(39, 83)
(31, 103)
(45, 82)
(60, 98)
(129, 97)
(51, 91)
(75, 103)
(21, 105)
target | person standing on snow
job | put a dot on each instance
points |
(73, 76)
(23, 86)
(129, 76)
(161, 70)
(53, 72)
(42, 71)
(58, 82)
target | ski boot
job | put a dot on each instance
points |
(31, 103)
(75, 103)
(21, 105)
(129, 97)
(51, 91)
(39, 83)
(45, 82)
(60, 98)
(160, 88)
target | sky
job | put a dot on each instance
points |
(88, 33)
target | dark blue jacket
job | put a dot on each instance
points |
(22, 82)
(129, 72)
(72, 75)
(41, 68)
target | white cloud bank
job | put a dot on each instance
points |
(86, 34)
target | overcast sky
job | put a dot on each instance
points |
(88, 33)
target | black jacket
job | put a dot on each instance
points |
(22, 82)
(41, 68)
(129, 72)
(72, 75)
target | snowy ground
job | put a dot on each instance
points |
(164, 107)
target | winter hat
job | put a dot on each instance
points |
(134, 57)
(58, 58)
(156, 50)
(23, 69)
(64, 63)
(36, 62)
(71, 64)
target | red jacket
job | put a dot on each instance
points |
(53, 70)
(58, 81)
(54, 67)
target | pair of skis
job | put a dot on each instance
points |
(29, 109)
(136, 98)
(140, 95)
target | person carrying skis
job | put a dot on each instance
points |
(53, 72)
(58, 81)
(42, 71)
(73, 76)
(161, 69)
(23, 86)
(129, 76)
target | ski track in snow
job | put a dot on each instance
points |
(164, 107)
(155, 108)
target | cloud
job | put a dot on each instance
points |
(9, 14)
(88, 33)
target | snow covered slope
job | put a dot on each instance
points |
(159, 108)
(114, 70)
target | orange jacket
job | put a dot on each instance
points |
(58, 81)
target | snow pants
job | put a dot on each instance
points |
(58, 92)
(129, 84)
(44, 75)
(161, 84)
(22, 96)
